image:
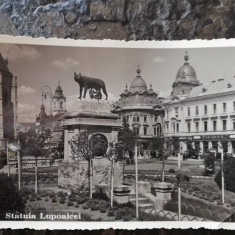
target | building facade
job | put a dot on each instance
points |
(142, 108)
(205, 113)
(8, 104)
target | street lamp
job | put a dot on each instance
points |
(136, 181)
(222, 172)
(15, 147)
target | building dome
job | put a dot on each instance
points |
(186, 79)
(138, 84)
(186, 72)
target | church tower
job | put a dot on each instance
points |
(58, 101)
(186, 79)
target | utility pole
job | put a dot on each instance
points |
(19, 169)
(179, 189)
(136, 182)
(222, 174)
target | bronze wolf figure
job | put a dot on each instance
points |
(89, 83)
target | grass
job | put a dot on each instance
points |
(52, 169)
(154, 166)
(199, 208)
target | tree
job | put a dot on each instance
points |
(229, 175)
(87, 146)
(33, 143)
(127, 138)
(10, 199)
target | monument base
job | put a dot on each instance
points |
(74, 175)
(163, 192)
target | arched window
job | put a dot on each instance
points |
(61, 104)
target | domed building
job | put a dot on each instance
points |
(142, 108)
(186, 79)
(202, 113)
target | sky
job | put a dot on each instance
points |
(37, 66)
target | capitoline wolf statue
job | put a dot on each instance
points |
(94, 84)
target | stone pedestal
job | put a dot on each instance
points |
(144, 187)
(95, 118)
(74, 175)
(163, 192)
(121, 194)
(92, 116)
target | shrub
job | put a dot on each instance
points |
(111, 213)
(229, 175)
(52, 195)
(102, 210)
(53, 200)
(10, 199)
(70, 203)
(101, 196)
(62, 200)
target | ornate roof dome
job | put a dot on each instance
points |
(138, 84)
(59, 92)
(186, 72)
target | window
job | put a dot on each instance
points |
(167, 113)
(136, 118)
(189, 126)
(233, 124)
(214, 108)
(197, 110)
(174, 128)
(176, 112)
(158, 131)
(155, 131)
(155, 118)
(167, 127)
(233, 105)
(145, 118)
(145, 130)
(136, 130)
(205, 125)
(205, 109)
(214, 125)
(197, 126)
(188, 111)
(224, 125)
(127, 118)
(177, 127)
(224, 107)
(61, 104)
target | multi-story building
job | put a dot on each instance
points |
(142, 109)
(205, 113)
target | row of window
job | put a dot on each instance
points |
(136, 118)
(205, 126)
(156, 130)
(205, 110)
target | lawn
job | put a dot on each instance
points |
(52, 169)
(154, 166)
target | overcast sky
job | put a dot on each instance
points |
(38, 66)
